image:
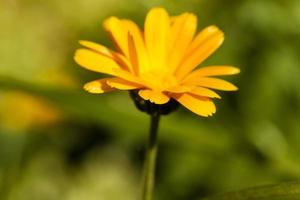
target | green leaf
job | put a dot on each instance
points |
(284, 191)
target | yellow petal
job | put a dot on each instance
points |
(213, 83)
(181, 34)
(122, 84)
(139, 45)
(199, 105)
(157, 25)
(179, 89)
(95, 61)
(97, 47)
(127, 76)
(118, 33)
(122, 61)
(204, 92)
(212, 71)
(156, 97)
(98, 86)
(202, 36)
(205, 43)
(133, 55)
(118, 58)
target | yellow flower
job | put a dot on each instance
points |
(160, 61)
(20, 110)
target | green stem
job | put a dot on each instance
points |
(151, 152)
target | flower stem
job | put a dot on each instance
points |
(150, 160)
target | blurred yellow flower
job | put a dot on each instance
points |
(160, 61)
(20, 111)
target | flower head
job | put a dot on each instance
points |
(160, 61)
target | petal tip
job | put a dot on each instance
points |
(233, 70)
(157, 12)
(213, 28)
(93, 89)
(158, 9)
(108, 22)
(144, 94)
(110, 83)
(77, 55)
(236, 70)
(233, 88)
(154, 96)
(82, 42)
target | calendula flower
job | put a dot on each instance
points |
(160, 61)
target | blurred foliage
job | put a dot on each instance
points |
(58, 142)
(283, 191)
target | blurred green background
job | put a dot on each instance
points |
(57, 142)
